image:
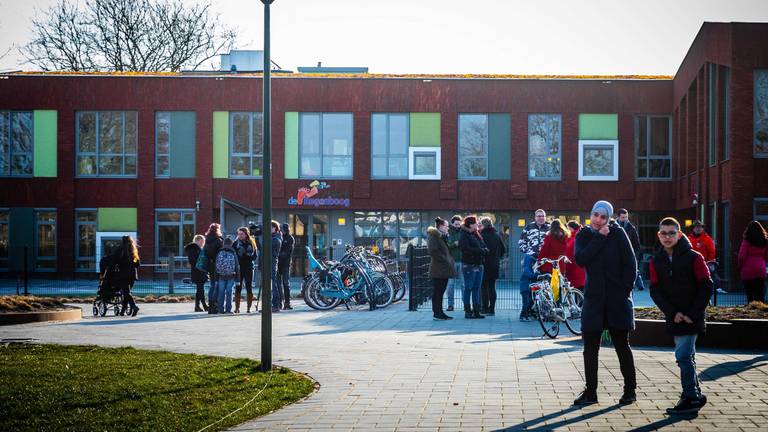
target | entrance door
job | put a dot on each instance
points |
(308, 230)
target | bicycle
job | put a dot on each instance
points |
(561, 304)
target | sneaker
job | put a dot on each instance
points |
(628, 397)
(450, 309)
(721, 291)
(448, 317)
(524, 318)
(688, 405)
(586, 398)
(440, 318)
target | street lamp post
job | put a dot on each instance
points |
(266, 220)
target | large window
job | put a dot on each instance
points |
(85, 240)
(246, 144)
(473, 146)
(389, 233)
(4, 238)
(653, 150)
(175, 229)
(45, 240)
(163, 144)
(598, 160)
(544, 146)
(106, 143)
(15, 143)
(389, 146)
(761, 113)
(712, 108)
(325, 145)
(725, 111)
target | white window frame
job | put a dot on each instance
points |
(614, 144)
(412, 151)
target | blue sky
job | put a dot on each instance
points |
(452, 36)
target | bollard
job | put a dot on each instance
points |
(411, 296)
(26, 270)
(171, 265)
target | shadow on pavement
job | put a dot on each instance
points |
(115, 321)
(536, 424)
(715, 372)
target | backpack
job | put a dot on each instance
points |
(202, 263)
(225, 264)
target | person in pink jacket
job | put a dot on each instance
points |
(753, 255)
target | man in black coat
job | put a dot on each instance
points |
(681, 287)
(284, 264)
(634, 238)
(603, 249)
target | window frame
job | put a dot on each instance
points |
(321, 154)
(614, 144)
(755, 202)
(712, 114)
(157, 152)
(250, 155)
(412, 153)
(46, 258)
(725, 114)
(755, 153)
(389, 153)
(648, 157)
(31, 152)
(98, 154)
(7, 223)
(559, 153)
(180, 224)
(78, 224)
(458, 146)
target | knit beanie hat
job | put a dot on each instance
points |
(470, 220)
(603, 207)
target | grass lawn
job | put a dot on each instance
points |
(56, 388)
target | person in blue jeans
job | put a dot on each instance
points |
(530, 242)
(681, 287)
(454, 234)
(227, 272)
(473, 252)
(277, 242)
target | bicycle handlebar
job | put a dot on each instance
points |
(555, 262)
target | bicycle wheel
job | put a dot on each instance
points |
(573, 303)
(102, 307)
(545, 306)
(398, 285)
(314, 297)
(380, 292)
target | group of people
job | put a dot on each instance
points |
(229, 264)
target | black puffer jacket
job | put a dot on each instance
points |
(682, 285)
(496, 250)
(193, 253)
(473, 248)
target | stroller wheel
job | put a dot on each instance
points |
(95, 309)
(116, 309)
(128, 310)
(102, 308)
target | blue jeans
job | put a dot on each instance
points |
(525, 284)
(453, 283)
(639, 285)
(473, 278)
(277, 297)
(224, 294)
(685, 354)
(212, 292)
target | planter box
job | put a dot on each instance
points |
(741, 334)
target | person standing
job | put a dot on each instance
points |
(634, 239)
(199, 277)
(496, 251)
(284, 264)
(702, 242)
(681, 288)
(574, 272)
(753, 254)
(213, 244)
(277, 241)
(530, 242)
(441, 266)
(125, 261)
(454, 234)
(555, 245)
(227, 272)
(603, 249)
(473, 252)
(245, 247)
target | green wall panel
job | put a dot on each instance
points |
(499, 147)
(425, 130)
(183, 144)
(117, 219)
(220, 144)
(44, 153)
(21, 227)
(291, 145)
(599, 126)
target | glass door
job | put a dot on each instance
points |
(308, 230)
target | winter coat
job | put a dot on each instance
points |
(552, 249)
(634, 238)
(574, 272)
(496, 251)
(228, 249)
(441, 264)
(704, 245)
(473, 248)
(213, 245)
(286, 251)
(193, 253)
(681, 285)
(752, 261)
(454, 234)
(246, 253)
(532, 238)
(125, 271)
(277, 242)
(611, 271)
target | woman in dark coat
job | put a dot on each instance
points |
(604, 250)
(473, 252)
(441, 265)
(199, 277)
(125, 262)
(496, 251)
(214, 241)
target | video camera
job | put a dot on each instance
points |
(255, 229)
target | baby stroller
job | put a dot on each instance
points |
(108, 295)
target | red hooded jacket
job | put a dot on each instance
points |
(704, 245)
(575, 274)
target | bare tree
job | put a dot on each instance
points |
(127, 35)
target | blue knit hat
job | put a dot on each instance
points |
(603, 207)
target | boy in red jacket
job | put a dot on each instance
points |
(702, 242)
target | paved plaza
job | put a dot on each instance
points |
(397, 370)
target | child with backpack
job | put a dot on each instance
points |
(227, 272)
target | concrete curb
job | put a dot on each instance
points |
(12, 318)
